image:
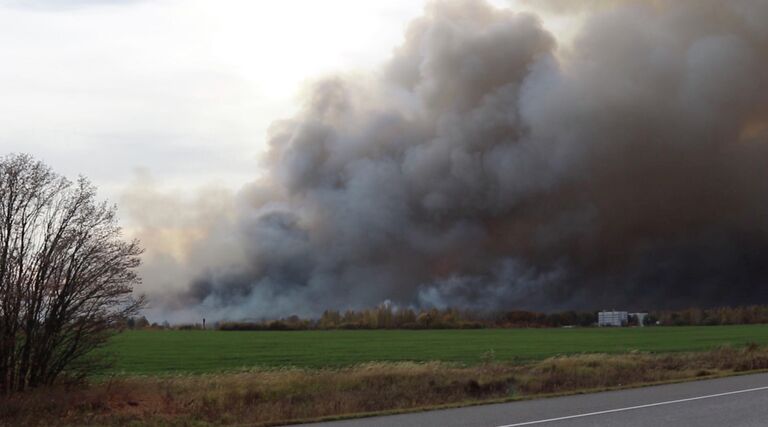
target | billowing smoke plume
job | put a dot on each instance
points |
(484, 167)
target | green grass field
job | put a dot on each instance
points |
(159, 352)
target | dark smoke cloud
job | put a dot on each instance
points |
(483, 167)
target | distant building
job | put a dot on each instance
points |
(612, 318)
(619, 318)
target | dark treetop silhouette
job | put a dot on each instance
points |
(66, 276)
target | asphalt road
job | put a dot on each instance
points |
(734, 401)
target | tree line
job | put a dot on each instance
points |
(742, 315)
(390, 317)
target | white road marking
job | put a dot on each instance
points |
(631, 408)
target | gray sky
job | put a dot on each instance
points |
(183, 90)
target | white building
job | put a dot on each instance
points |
(612, 318)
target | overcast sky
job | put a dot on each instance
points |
(180, 90)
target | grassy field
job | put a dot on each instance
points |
(270, 397)
(160, 352)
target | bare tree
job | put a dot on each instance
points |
(66, 276)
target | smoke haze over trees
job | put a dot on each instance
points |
(484, 168)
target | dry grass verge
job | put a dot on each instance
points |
(269, 397)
